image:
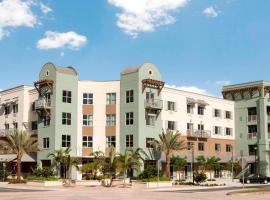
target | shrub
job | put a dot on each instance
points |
(211, 179)
(38, 178)
(148, 172)
(6, 172)
(200, 177)
(43, 172)
(155, 179)
(15, 181)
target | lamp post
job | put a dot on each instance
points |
(192, 161)
(255, 163)
(232, 163)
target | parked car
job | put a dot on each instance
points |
(255, 178)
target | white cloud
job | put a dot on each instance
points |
(190, 89)
(223, 82)
(210, 12)
(45, 9)
(14, 14)
(55, 40)
(145, 15)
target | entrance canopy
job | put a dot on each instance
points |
(13, 157)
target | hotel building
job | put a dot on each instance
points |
(91, 116)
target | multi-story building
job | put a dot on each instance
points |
(17, 113)
(91, 116)
(252, 123)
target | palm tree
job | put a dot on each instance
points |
(179, 163)
(211, 164)
(20, 143)
(201, 160)
(129, 160)
(62, 157)
(168, 143)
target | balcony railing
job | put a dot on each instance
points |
(153, 104)
(42, 104)
(252, 118)
(251, 136)
(198, 133)
(6, 132)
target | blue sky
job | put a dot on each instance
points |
(198, 44)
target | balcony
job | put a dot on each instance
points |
(42, 103)
(153, 104)
(252, 118)
(198, 133)
(252, 136)
(6, 132)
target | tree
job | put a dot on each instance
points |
(236, 166)
(20, 143)
(179, 163)
(211, 164)
(168, 143)
(131, 159)
(201, 160)
(62, 157)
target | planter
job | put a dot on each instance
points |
(159, 184)
(45, 183)
(88, 183)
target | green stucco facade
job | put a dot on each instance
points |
(139, 130)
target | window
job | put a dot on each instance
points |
(110, 120)
(46, 143)
(66, 139)
(129, 118)
(228, 148)
(47, 121)
(200, 127)
(149, 142)
(171, 125)
(200, 110)
(228, 114)
(33, 106)
(111, 98)
(6, 126)
(150, 120)
(87, 120)
(15, 108)
(201, 146)
(217, 147)
(7, 110)
(171, 106)
(217, 113)
(87, 141)
(189, 126)
(190, 108)
(66, 96)
(129, 96)
(217, 130)
(34, 125)
(15, 125)
(228, 131)
(252, 150)
(66, 118)
(190, 145)
(252, 129)
(87, 98)
(110, 141)
(129, 140)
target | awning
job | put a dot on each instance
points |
(191, 101)
(13, 157)
(202, 102)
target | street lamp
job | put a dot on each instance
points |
(191, 146)
(255, 163)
